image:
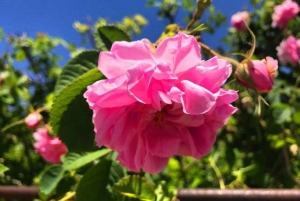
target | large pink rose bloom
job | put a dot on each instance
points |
(284, 12)
(50, 148)
(239, 19)
(289, 51)
(157, 104)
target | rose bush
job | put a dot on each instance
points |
(284, 12)
(288, 51)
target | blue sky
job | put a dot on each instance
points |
(55, 17)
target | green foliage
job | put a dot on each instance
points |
(110, 34)
(50, 179)
(80, 72)
(56, 176)
(77, 66)
(3, 168)
(131, 25)
(98, 181)
(72, 161)
(135, 187)
(25, 82)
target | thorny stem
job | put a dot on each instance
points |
(252, 49)
(218, 173)
(212, 52)
(190, 24)
(42, 109)
(12, 125)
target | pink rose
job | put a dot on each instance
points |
(155, 105)
(33, 120)
(284, 12)
(51, 148)
(238, 20)
(257, 74)
(289, 51)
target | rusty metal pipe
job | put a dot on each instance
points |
(22, 192)
(239, 195)
(29, 193)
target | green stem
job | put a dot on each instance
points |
(212, 52)
(252, 49)
(182, 171)
(218, 173)
(12, 125)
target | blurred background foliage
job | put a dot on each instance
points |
(251, 151)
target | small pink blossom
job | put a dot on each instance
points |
(239, 19)
(289, 51)
(51, 148)
(284, 12)
(33, 120)
(257, 74)
(159, 103)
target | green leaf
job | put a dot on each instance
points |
(70, 116)
(72, 161)
(135, 186)
(71, 120)
(296, 118)
(109, 34)
(50, 179)
(77, 66)
(97, 182)
(281, 113)
(3, 168)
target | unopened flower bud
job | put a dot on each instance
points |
(258, 75)
(33, 120)
(239, 19)
(201, 6)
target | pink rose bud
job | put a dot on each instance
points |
(158, 103)
(50, 148)
(33, 120)
(289, 51)
(258, 75)
(284, 12)
(239, 19)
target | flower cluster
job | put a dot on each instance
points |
(289, 51)
(157, 103)
(284, 12)
(50, 148)
(239, 19)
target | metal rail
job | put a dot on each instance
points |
(29, 193)
(239, 195)
(21, 193)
